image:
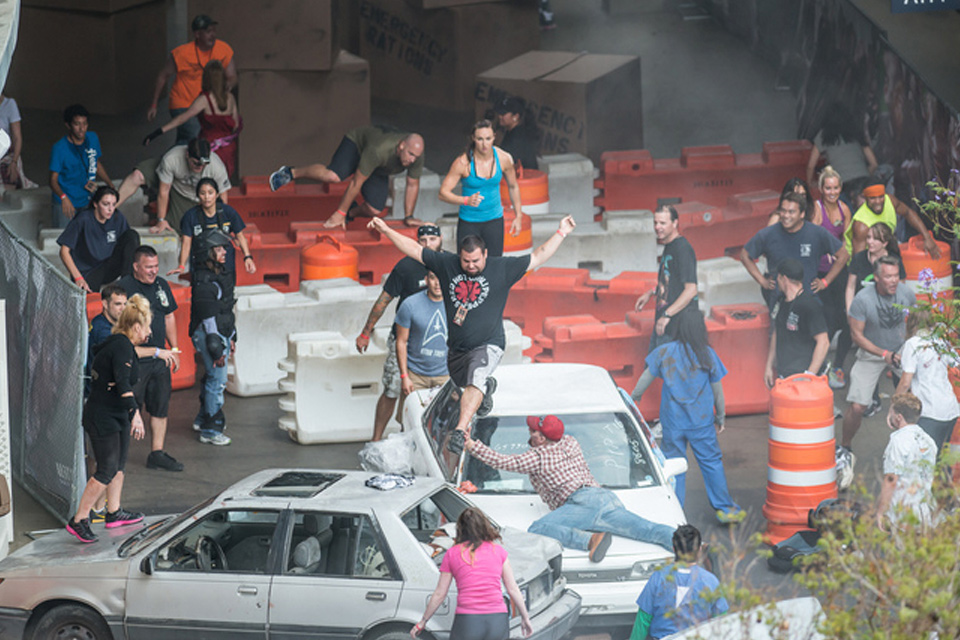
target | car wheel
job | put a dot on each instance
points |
(71, 622)
(393, 633)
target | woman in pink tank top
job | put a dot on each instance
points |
(478, 565)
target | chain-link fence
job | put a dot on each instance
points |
(47, 340)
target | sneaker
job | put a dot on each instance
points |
(198, 423)
(599, 543)
(163, 460)
(486, 405)
(97, 516)
(456, 442)
(121, 518)
(280, 177)
(845, 461)
(81, 530)
(734, 516)
(836, 378)
(216, 438)
(873, 409)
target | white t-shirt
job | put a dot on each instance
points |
(911, 454)
(924, 357)
(8, 113)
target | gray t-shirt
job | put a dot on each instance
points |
(884, 321)
(846, 157)
(427, 344)
(175, 170)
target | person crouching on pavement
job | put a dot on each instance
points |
(213, 330)
(583, 515)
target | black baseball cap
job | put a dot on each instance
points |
(513, 104)
(202, 21)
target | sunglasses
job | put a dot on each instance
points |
(200, 161)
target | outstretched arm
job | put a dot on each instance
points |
(545, 251)
(408, 246)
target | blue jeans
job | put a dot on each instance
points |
(594, 509)
(215, 380)
(706, 449)
(188, 130)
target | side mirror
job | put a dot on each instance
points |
(149, 564)
(673, 467)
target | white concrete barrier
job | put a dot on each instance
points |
(265, 317)
(622, 241)
(25, 211)
(725, 281)
(167, 245)
(332, 390)
(570, 180)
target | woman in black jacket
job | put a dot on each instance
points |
(110, 415)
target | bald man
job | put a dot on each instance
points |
(371, 155)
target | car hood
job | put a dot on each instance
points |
(59, 553)
(655, 503)
(528, 552)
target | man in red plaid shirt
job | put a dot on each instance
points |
(583, 514)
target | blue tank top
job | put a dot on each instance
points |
(491, 208)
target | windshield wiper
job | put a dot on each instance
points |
(140, 534)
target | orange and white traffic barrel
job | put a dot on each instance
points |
(927, 275)
(519, 245)
(534, 192)
(802, 467)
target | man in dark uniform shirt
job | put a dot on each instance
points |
(799, 339)
(521, 138)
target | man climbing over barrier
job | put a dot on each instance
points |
(880, 206)
(475, 290)
(583, 515)
(371, 154)
(407, 278)
(676, 279)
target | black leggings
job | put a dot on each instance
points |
(491, 232)
(110, 452)
(480, 626)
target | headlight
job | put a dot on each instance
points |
(642, 570)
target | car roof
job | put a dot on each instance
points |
(554, 388)
(332, 490)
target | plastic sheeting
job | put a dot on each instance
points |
(395, 454)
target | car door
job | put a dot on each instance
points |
(211, 579)
(338, 577)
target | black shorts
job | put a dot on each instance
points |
(344, 163)
(472, 368)
(153, 388)
(491, 231)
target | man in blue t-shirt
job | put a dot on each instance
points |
(74, 166)
(421, 326)
(793, 238)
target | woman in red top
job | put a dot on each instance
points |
(216, 109)
(478, 565)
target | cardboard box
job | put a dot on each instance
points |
(430, 57)
(99, 6)
(282, 35)
(582, 102)
(299, 117)
(107, 62)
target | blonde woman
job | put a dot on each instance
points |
(216, 109)
(110, 415)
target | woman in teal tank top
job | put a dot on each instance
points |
(479, 172)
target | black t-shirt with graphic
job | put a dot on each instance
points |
(678, 266)
(797, 323)
(161, 300)
(407, 278)
(474, 304)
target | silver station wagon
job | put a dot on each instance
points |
(283, 554)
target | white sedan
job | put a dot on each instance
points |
(616, 443)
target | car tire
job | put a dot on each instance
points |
(72, 621)
(394, 633)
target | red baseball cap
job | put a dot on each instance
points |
(550, 426)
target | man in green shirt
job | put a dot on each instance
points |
(371, 155)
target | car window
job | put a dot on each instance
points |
(611, 447)
(433, 522)
(439, 422)
(334, 544)
(148, 535)
(228, 540)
